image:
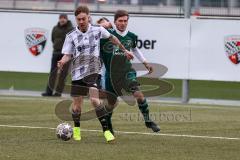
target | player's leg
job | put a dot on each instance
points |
(76, 113)
(144, 108)
(132, 86)
(101, 113)
(77, 95)
(112, 100)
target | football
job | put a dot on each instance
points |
(64, 131)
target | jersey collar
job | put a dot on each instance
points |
(123, 34)
(89, 26)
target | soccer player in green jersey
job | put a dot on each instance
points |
(120, 76)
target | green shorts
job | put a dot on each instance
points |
(118, 83)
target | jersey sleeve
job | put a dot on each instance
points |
(138, 54)
(104, 33)
(68, 46)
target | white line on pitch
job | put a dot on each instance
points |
(138, 133)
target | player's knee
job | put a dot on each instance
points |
(112, 100)
(95, 101)
(139, 96)
(76, 107)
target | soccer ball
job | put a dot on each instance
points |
(64, 131)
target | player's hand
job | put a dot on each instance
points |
(129, 55)
(148, 67)
(60, 64)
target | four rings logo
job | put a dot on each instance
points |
(232, 48)
(35, 39)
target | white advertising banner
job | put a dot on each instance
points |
(159, 39)
(214, 50)
(190, 48)
(16, 28)
(164, 41)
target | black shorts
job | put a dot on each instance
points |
(81, 87)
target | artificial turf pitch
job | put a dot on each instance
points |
(215, 126)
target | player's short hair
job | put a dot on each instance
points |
(81, 9)
(101, 19)
(120, 13)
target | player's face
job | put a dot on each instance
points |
(105, 23)
(121, 23)
(82, 21)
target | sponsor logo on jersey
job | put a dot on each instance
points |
(232, 48)
(35, 39)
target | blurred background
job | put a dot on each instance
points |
(203, 30)
(203, 7)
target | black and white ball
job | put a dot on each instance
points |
(64, 131)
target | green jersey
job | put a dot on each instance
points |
(119, 72)
(111, 54)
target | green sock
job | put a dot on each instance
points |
(143, 107)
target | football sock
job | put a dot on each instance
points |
(76, 118)
(102, 117)
(109, 121)
(143, 107)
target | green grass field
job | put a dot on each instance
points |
(41, 143)
(198, 89)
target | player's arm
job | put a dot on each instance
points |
(116, 42)
(67, 50)
(105, 34)
(64, 60)
(142, 59)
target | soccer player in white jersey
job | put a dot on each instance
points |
(82, 45)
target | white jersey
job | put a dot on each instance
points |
(85, 50)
